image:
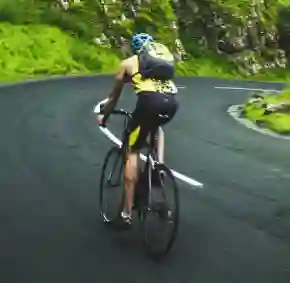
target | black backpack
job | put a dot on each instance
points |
(156, 62)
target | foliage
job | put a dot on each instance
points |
(46, 50)
(88, 20)
(19, 12)
(284, 28)
(276, 121)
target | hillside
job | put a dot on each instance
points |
(229, 38)
(37, 50)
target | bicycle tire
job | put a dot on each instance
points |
(118, 158)
(173, 235)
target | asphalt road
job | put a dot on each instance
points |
(237, 229)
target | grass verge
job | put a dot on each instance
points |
(29, 51)
(36, 51)
(277, 121)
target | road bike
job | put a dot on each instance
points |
(150, 194)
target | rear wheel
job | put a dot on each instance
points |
(111, 195)
(161, 218)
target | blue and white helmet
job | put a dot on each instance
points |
(138, 40)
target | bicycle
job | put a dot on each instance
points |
(143, 197)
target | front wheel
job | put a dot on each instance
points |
(111, 194)
(162, 212)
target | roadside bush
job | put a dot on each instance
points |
(284, 28)
(76, 21)
(19, 12)
(96, 59)
(46, 50)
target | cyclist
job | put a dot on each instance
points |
(150, 71)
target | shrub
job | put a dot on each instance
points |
(46, 50)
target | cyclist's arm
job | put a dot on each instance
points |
(117, 89)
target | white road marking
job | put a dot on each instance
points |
(181, 87)
(246, 88)
(178, 175)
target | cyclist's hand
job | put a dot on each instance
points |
(100, 119)
(100, 116)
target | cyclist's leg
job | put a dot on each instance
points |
(166, 105)
(159, 144)
(131, 168)
(130, 172)
(136, 138)
(130, 179)
(145, 116)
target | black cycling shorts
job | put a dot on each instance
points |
(149, 114)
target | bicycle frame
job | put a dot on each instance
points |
(150, 145)
(128, 115)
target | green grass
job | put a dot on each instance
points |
(38, 50)
(278, 122)
(205, 66)
(212, 66)
(284, 2)
(47, 51)
(29, 51)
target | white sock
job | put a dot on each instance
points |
(125, 214)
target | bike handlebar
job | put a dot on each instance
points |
(97, 109)
(122, 112)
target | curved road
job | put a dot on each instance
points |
(237, 229)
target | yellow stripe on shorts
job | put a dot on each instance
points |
(133, 136)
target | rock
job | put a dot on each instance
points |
(277, 107)
(245, 35)
(232, 32)
(258, 96)
(260, 123)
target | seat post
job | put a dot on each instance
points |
(153, 133)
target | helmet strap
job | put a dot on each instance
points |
(144, 45)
